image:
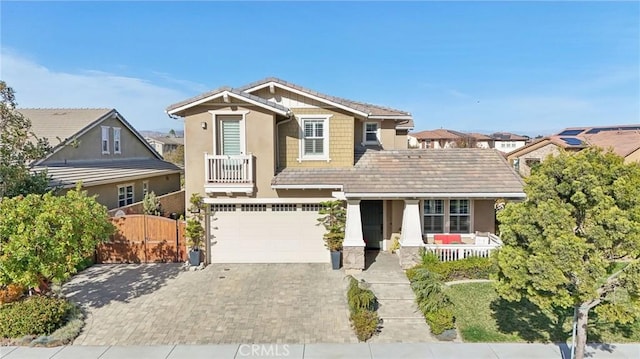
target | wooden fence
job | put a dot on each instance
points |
(144, 239)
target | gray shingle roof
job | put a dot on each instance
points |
(371, 109)
(62, 123)
(445, 171)
(220, 90)
(101, 172)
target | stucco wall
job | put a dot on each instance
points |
(401, 140)
(259, 140)
(108, 193)
(90, 145)
(171, 203)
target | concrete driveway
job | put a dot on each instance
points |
(224, 303)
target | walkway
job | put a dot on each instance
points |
(402, 321)
(161, 304)
(308, 351)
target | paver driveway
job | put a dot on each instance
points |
(230, 303)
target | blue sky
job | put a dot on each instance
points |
(526, 67)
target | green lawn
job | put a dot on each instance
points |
(483, 317)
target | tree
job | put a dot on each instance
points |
(18, 147)
(575, 240)
(176, 156)
(334, 218)
(151, 204)
(44, 237)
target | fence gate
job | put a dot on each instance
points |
(142, 238)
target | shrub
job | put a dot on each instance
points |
(362, 306)
(440, 320)
(35, 315)
(359, 299)
(468, 268)
(364, 323)
(11, 293)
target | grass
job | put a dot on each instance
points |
(481, 316)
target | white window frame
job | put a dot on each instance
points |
(124, 202)
(442, 215)
(117, 141)
(325, 142)
(216, 127)
(460, 215)
(104, 144)
(364, 133)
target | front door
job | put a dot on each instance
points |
(371, 214)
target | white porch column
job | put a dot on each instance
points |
(353, 245)
(411, 236)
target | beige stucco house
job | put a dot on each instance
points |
(99, 148)
(623, 140)
(266, 154)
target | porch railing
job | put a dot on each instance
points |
(228, 169)
(454, 252)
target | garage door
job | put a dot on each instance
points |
(267, 233)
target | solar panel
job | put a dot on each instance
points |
(570, 132)
(621, 128)
(571, 141)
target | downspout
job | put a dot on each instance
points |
(289, 114)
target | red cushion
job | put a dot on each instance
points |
(447, 238)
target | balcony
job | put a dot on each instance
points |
(229, 174)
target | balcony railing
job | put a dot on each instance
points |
(229, 173)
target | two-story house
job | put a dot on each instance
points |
(266, 154)
(101, 150)
(507, 142)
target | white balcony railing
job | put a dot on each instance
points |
(228, 169)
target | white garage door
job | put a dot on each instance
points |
(267, 233)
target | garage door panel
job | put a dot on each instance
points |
(268, 237)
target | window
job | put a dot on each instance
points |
(125, 195)
(116, 140)
(315, 138)
(253, 207)
(284, 207)
(371, 133)
(433, 216)
(105, 140)
(145, 188)
(459, 219)
(219, 207)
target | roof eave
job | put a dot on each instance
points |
(176, 111)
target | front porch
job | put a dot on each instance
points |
(453, 229)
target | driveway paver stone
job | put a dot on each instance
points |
(160, 304)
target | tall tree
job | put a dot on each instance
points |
(18, 147)
(575, 240)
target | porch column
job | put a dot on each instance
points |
(353, 245)
(411, 236)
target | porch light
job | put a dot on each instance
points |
(203, 125)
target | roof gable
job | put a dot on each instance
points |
(68, 124)
(224, 92)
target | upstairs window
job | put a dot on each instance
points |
(371, 133)
(105, 140)
(116, 140)
(315, 138)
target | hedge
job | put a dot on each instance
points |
(362, 306)
(35, 315)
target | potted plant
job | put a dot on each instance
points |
(333, 219)
(194, 230)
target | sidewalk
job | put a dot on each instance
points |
(308, 351)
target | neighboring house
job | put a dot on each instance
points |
(165, 144)
(507, 142)
(265, 155)
(99, 148)
(443, 138)
(482, 141)
(624, 140)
